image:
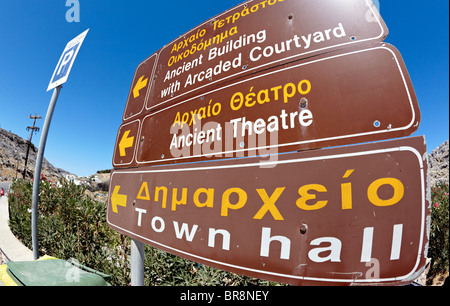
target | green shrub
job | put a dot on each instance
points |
(72, 225)
(438, 251)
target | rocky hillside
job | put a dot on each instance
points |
(438, 164)
(13, 150)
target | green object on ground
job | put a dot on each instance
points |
(55, 272)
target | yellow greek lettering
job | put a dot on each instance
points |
(305, 196)
(177, 119)
(233, 31)
(175, 200)
(236, 101)
(185, 118)
(290, 94)
(174, 48)
(164, 195)
(226, 204)
(171, 61)
(209, 202)
(249, 98)
(308, 87)
(264, 92)
(217, 111)
(346, 192)
(245, 11)
(193, 48)
(397, 185)
(269, 204)
(193, 115)
(236, 16)
(202, 113)
(144, 188)
(276, 91)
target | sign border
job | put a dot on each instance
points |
(407, 277)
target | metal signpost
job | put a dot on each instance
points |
(214, 159)
(60, 76)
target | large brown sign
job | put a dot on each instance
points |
(343, 97)
(251, 37)
(348, 215)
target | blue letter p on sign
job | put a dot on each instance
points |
(66, 61)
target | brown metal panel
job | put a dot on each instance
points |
(345, 97)
(127, 138)
(340, 216)
(258, 35)
(139, 88)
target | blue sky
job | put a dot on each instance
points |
(122, 34)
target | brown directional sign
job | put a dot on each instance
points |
(139, 88)
(251, 37)
(348, 215)
(343, 97)
(127, 137)
(264, 78)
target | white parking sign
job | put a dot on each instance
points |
(66, 61)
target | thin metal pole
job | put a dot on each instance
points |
(37, 172)
(137, 263)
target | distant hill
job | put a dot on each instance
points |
(13, 150)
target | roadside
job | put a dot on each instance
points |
(10, 247)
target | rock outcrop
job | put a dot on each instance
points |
(13, 151)
(438, 164)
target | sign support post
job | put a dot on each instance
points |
(59, 77)
(137, 263)
(37, 172)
